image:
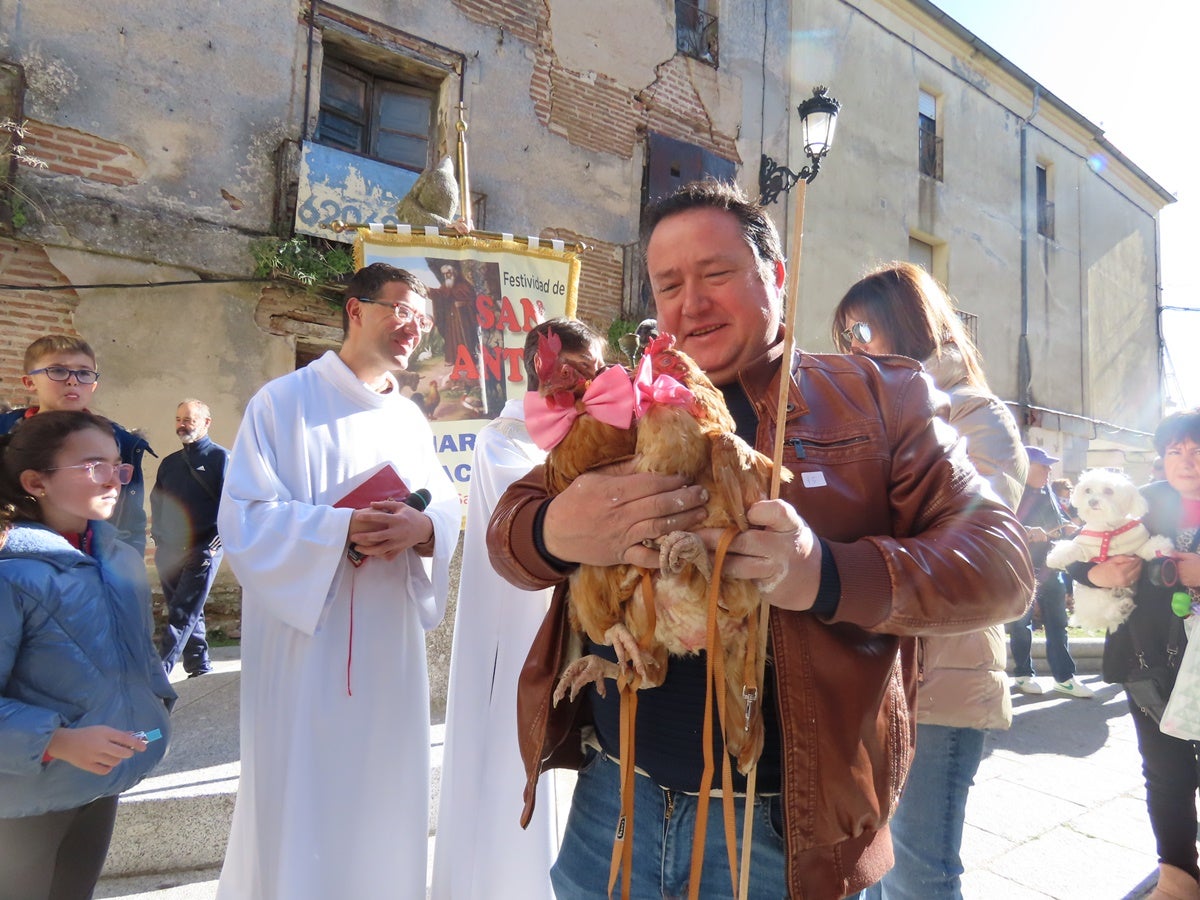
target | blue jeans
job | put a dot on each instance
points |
(928, 826)
(662, 843)
(1051, 596)
(187, 576)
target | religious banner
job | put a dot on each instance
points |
(486, 294)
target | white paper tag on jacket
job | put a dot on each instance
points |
(813, 479)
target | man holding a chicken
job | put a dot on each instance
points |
(883, 533)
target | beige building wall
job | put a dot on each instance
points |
(1090, 291)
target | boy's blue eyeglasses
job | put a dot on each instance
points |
(62, 373)
(103, 472)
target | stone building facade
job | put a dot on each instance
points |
(174, 137)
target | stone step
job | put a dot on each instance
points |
(178, 819)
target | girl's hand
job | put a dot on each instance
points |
(97, 748)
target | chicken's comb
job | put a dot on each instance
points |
(549, 347)
(659, 344)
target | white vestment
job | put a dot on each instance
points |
(334, 792)
(481, 853)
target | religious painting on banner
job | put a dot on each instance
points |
(485, 296)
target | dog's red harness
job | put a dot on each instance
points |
(1107, 536)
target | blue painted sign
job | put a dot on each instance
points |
(335, 184)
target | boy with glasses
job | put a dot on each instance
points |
(60, 370)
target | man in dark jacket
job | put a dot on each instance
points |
(882, 534)
(60, 370)
(1044, 522)
(183, 507)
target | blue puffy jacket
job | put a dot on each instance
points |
(129, 516)
(75, 650)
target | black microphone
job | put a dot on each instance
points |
(418, 500)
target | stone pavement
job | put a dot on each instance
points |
(1057, 810)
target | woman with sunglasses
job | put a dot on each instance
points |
(83, 698)
(962, 687)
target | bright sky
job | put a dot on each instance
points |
(1129, 68)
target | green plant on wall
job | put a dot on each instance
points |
(316, 265)
(20, 213)
(14, 205)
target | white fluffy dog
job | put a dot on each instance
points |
(1111, 509)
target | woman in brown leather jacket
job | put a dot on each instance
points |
(962, 688)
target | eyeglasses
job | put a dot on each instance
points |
(859, 331)
(404, 314)
(102, 472)
(62, 373)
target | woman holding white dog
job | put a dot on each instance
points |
(1153, 632)
(963, 689)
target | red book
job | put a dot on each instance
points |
(384, 484)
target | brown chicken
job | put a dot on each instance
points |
(691, 434)
(589, 442)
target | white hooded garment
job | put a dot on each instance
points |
(481, 853)
(334, 792)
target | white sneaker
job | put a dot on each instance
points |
(1027, 684)
(1073, 688)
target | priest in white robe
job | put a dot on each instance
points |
(334, 792)
(481, 852)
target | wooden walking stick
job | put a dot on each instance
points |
(785, 381)
(818, 118)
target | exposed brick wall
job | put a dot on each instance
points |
(674, 108)
(283, 310)
(26, 315)
(523, 19)
(66, 151)
(383, 33)
(590, 110)
(601, 278)
(597, 113)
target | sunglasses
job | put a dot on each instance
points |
(859, 331)
(404, 314)
(62, 373)
(102, 472)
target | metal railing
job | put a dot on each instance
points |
(929, 154)
(696, 32)
(1045, 219)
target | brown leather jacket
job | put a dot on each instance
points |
(888, 487)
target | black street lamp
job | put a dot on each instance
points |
(818, 119)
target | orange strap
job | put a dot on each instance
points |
(715, 669)
(628, 682)
(622, 852)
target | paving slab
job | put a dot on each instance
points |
(1057, 810)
